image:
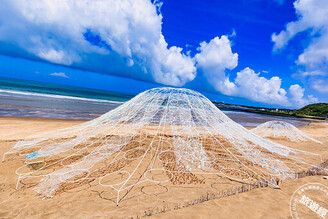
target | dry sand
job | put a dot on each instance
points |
(89, 201)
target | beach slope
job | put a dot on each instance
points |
(86, 202)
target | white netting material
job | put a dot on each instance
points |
(280, 129)
(176, 133)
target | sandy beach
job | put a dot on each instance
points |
(89, 201)
(164, 109)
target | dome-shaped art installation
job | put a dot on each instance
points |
(164, 137)
(280, 129)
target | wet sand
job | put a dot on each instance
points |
(89, 201)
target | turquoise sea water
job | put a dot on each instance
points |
(21, 98)
(37, 99)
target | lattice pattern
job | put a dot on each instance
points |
(280, 129)
(163, 135)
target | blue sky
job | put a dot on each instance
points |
(253, 52)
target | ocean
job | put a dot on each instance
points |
(22, 98)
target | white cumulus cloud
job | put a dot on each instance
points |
(125, 38)
(252, 86)
(313, 18)
(296, 93)
(213, 59)
(108, 36)
(313, 60)
(59, 74)
(320, 85)
(312, 14)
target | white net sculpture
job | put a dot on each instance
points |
(280, 129)
(163, 136)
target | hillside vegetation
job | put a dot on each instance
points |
(317, 109)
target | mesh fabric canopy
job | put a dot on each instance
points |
(280, 129)
(163, 136)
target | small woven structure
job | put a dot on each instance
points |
(163, 136)
(280, 129)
